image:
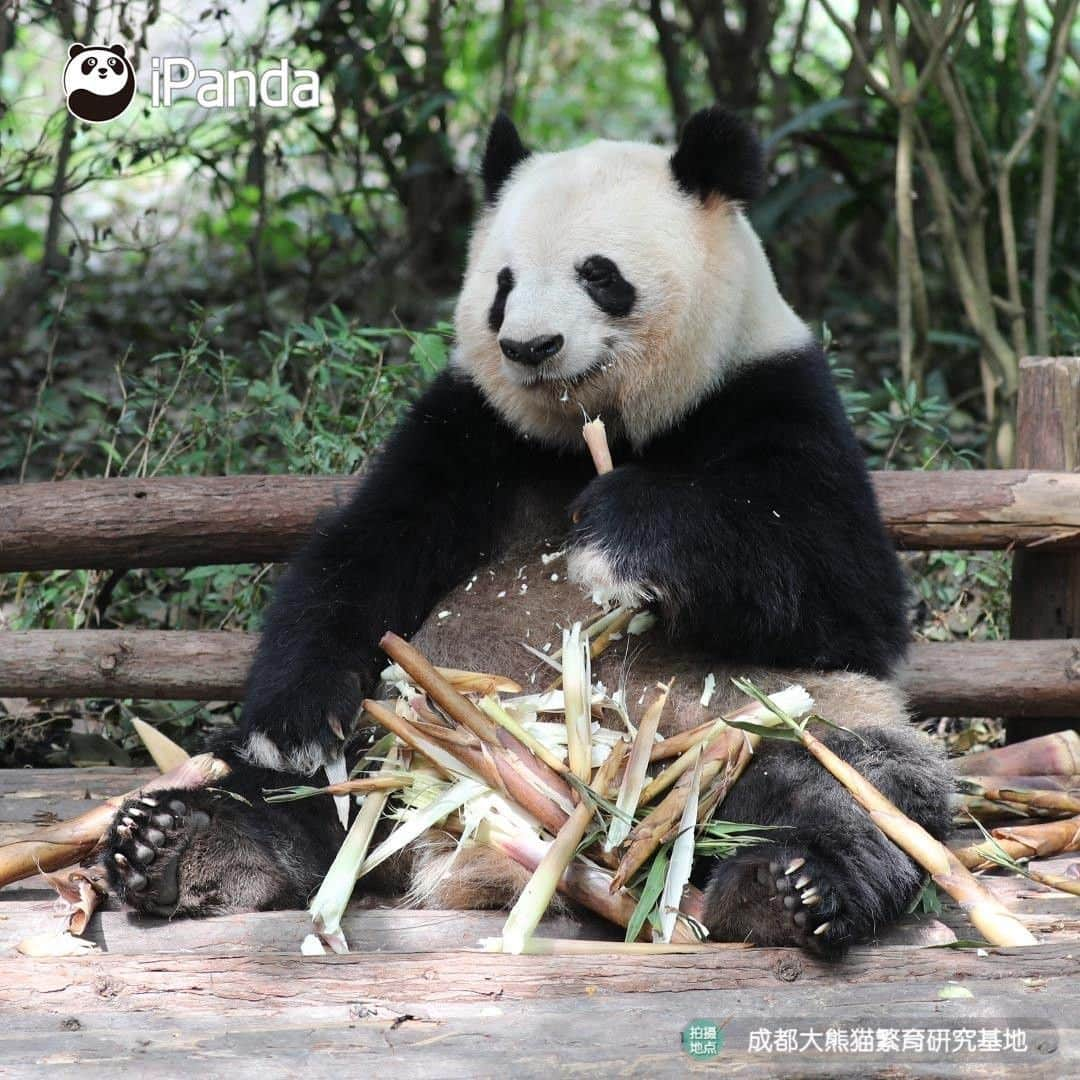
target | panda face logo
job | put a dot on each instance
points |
(99, 82)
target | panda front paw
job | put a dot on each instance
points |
(597, 574)
(611, 556)
(301, 726)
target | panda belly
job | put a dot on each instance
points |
(854, 881)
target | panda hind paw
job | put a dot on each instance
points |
(145, 846)
(780, 897)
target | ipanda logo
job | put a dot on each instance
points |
(275, 87)
(99, 83)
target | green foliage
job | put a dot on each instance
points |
(316, 398)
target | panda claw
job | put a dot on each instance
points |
(802, 881)
(794, 865)
(146, 800)
(822, 928)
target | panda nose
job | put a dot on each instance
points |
(531, 352)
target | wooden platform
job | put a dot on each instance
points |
(233, 997)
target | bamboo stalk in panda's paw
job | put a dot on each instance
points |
(595, 435)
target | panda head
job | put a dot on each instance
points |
(99, 82)
(617, 278)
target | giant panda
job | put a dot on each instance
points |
(624, 280)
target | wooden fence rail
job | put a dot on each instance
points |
(197, 521)
(1018, 678)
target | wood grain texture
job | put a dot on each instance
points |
(194, 521)
(985, 678)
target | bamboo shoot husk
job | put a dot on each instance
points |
(1057, 802)
(83, 890)
(1026, 842)
(462, 711)
(329, 903)
(1054, 881)
(486, 762)
(633, 781)
(166, 754)
(1058, 752)
(723, 762)
(535, 898)
(425, 675)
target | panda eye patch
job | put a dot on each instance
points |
(603, 281)
(115, 65)
(88, 65)
(504, 282)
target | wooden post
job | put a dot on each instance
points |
(1045, 582)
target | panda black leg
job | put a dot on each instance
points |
(829, 877)
(183, 852)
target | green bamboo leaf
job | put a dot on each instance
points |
(650, 894)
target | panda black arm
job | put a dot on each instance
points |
(753, 529)
(430, 508)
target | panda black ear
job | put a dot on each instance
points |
(502, 154)
(119, 50)
(75, 49)
(719, 154)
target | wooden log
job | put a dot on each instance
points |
(444, 1017)
(194, 521)
(166, 521)
(984, 678)
(171, 664)
(199, 982)
(994, 678)
(1046, 583)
